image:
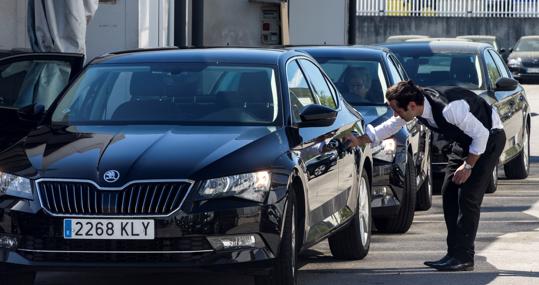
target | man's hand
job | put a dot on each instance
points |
(353, 141)
(461, 175)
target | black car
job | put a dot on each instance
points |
(401, 181)
(480, 68)
(523, 60)
(177, 159)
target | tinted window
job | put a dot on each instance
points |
(527, 44)
(395, 73)
(199, 93)
(360, 82)
(492, 69)
(300, 94)
(319, 84)
(500, 63)
(437, 69)
(32, 82)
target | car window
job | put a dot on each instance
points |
(442, 68)
(492, 70)
(298, 88)
(361, 82)
(32, 82)
(397, 74)
(500, 63)
(191, 93)
(318, 81)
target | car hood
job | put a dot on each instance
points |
(375, 115)
(144, 152)
(524, 55)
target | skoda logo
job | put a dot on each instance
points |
(111, 176)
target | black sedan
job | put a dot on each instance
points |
(523, 60)
(401, 181)
(178, 159)
(480, 68)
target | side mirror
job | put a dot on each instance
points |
(506, 84)
(32, 113)
(315, 115)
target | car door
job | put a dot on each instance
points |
(514, 105)
(505, 103)
(28, 80)
(318, 149)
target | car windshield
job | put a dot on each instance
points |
(527, 45)
(443, 69)
(177, 93)
(361, 82)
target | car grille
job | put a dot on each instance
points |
(137, 199)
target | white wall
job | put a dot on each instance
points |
(236, 22)
(13, 22)
(318, 22)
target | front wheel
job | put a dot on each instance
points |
(353, 241)
(284, 269)
(424, 195)
(405, 216)
(493, 185)
(519, 167)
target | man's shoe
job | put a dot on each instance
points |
(454, 264)
(442, 260)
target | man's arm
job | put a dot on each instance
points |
(380, 133)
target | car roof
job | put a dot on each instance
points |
(439, 40)
(363, 51)
(440, 46)
(477, 37)
(225, 55)
(530, 37)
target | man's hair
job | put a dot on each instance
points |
(404, 93)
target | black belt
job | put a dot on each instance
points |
(495, 131)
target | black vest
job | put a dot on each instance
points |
(439, 97)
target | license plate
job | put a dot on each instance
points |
(533, 70)
(108, 229)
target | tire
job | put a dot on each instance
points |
(424, 195)
(493, 185)
(353, 241)
(15, 277)
(519, 167)
(403, 221)
(284, 268)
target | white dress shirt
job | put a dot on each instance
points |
(456, 113)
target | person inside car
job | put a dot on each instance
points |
(358, 83)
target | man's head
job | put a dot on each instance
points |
(358, 80)
(406, 99)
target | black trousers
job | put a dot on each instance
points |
(462, 203)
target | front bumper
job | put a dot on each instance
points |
(180, 242)
(523, 73)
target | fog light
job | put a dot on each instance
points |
(8, 242)
(236, 242)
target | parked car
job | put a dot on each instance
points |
(179, 159)
(403, 38)
(439, 40)
(480, 68)
(491, 40)
(401, 181)
(523, 60)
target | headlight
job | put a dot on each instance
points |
(515, 62)
(250, 186)
(386, 150)
(15, 186)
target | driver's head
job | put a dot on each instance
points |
(358, 81)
